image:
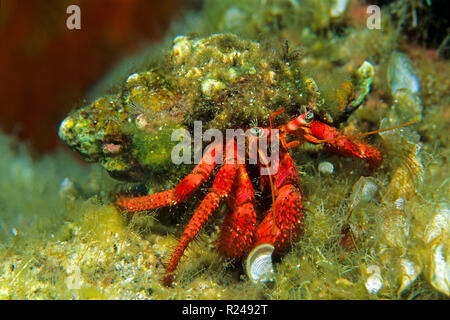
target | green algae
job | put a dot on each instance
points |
(66, 241)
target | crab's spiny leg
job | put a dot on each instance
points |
(221, 188)
(288, 209)
(236, 233)
(181, 192)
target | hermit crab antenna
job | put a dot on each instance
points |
(273, 188)
(273, 115)
(368, 133)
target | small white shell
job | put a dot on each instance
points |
(374, 282)
(326, 167)
(132, 78)
(259, 265)
(400, 204)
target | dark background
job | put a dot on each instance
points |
(46, 69)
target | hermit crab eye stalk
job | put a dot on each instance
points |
(309, 117)
(257, 132)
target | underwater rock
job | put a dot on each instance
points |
(402, 73)
(259, 265)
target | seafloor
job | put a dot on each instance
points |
(380, 234)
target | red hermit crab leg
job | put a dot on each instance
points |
(180, 193)
(221, 188)
(236, 233)
(288, 208)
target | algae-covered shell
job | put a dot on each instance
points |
(259, 265)
(222, 80)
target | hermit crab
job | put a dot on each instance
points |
(223, 82)
(239, 232)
